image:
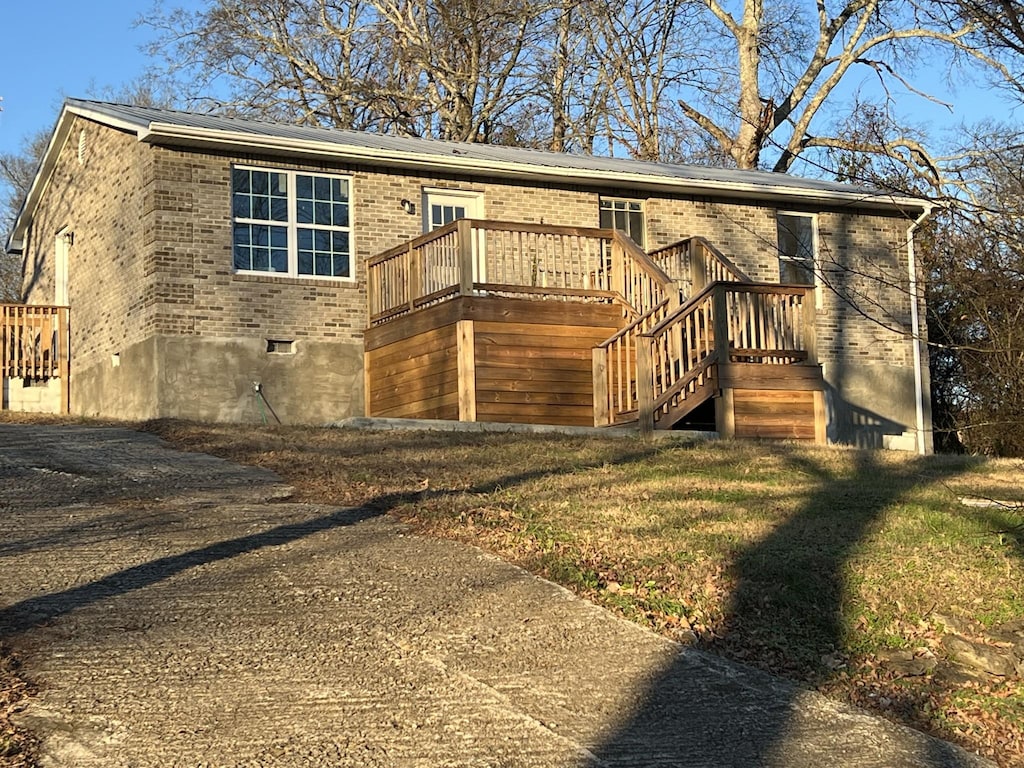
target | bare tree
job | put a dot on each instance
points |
(438, 68)
(17, 169)
(773, 67)
(643, 54)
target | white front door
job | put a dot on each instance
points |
(443, 206)
(61, 246)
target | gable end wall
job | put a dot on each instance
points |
(101, 191)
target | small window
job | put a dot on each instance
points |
(291, 223)
(796, 234)
(280, 347)
(624, 215)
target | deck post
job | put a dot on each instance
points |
(64, 364)
(698, 276)
(809, 323)
(720, 323)
(6, 334)
(725, 414)
(466, 347)
(619, 268)
(820, 418)
(414, 273)
(645, 386)
(600, 368)
(367, 385)
(463, 231)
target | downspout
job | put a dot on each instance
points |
(915, 324)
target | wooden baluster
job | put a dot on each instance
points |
(808, 323)
(645, 386)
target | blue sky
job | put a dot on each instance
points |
(57, 48)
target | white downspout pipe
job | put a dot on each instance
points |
(915, 325)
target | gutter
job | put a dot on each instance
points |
(915, 326)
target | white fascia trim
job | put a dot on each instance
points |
(16, 240)
(169, 132)
(131, 126)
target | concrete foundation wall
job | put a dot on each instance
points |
(214, 380)
(859, 415)
(32, 395)
(121, 385)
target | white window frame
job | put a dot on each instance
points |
(643, 212)
(815, 265)
(293, 226)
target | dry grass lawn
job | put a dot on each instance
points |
(811, 563)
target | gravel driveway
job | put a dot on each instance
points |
(176, 610)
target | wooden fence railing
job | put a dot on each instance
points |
(761, 323)
(34, 342)
(695, 263)
(689, 262)
(511, 259)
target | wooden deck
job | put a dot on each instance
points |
(488, 358)
(507, 322)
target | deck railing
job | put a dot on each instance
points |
(694, 263)
(34, 341)
(509, 259)
(761, 323)
(689, 262)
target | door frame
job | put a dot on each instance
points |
(473, 202)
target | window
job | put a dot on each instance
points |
(291, 223)
(625, 215)
(796, 233)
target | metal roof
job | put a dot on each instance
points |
(148, 121)
(176, 128)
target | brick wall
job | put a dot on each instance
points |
(862, 255)
(103, 194)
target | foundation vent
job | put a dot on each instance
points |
(280, 347)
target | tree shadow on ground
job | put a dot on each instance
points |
(33, 612)
(790, 590)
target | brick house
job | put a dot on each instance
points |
(234, 270)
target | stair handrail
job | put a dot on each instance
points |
(678, 355)
(614, 367)
(679, 261)
(643, 284)
(727, 321)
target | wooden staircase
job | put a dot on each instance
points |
(497, 321)
(715, 334)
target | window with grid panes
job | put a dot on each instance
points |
(625, 215)
(291, 223)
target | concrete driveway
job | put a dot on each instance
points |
(177, 610)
